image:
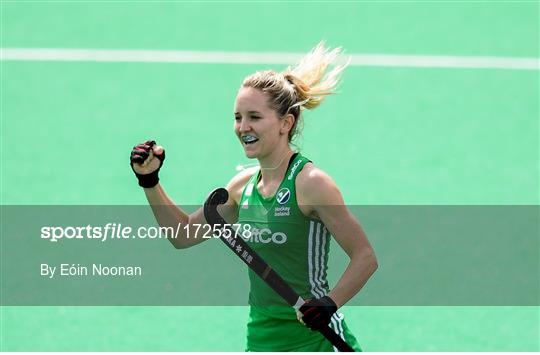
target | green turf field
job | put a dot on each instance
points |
(397, 136)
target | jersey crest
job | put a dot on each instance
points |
(283, 195)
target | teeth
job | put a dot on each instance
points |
(249, 139)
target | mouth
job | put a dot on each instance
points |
(249, 139)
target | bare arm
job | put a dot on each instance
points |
(168, 214)
(323, 198)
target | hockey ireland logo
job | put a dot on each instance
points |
(283, 196)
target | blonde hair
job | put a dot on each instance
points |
(303, 86)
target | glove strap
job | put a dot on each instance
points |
(148, 180)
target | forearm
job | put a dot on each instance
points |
(168, 214)
(358, 272)
(164, 208)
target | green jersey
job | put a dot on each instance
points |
(297, 248)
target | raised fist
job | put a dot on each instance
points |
(146, 159)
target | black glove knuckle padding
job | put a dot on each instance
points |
(138, 156)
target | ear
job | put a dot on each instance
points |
(287, 123)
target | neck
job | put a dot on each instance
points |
(274, 166)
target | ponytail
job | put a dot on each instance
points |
(309, 79)
(303, 86)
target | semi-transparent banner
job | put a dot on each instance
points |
(119, 255)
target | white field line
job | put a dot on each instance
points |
(285, 58)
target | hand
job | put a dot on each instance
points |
(146, 159)
(318, 312)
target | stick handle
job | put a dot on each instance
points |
(335, 339)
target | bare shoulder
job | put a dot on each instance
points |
(238, 182)
(315, 187)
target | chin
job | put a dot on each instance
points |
(251, 155)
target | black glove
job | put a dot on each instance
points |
(318, 312)
(139, 154)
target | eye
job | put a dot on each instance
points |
(255, 117)
(237, 117)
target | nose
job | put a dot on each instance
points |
(243, 125)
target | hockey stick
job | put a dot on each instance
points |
(257, 264)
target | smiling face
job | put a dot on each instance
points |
(257, 125)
